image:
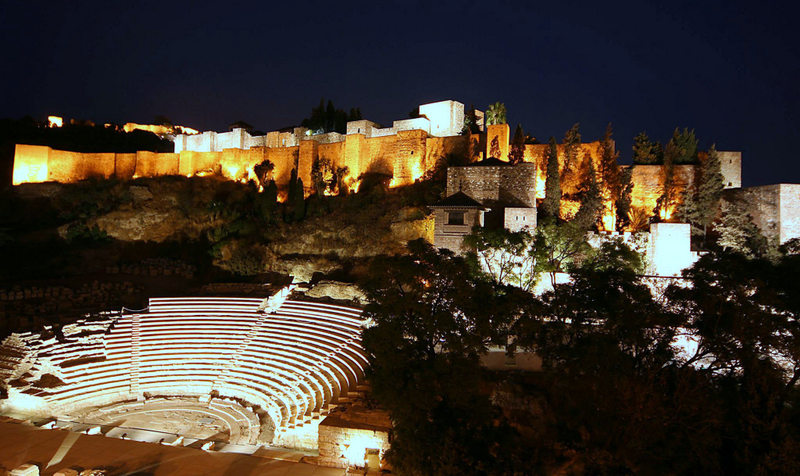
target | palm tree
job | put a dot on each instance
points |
(496, 114)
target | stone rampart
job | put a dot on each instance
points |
(775, 209)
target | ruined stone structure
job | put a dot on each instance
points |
(269, 371)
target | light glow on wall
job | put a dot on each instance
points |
(29, 173)
(354, 449)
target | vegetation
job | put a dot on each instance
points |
(516, 154)
(684, 146)
(327, 118)
(615, 394)
(496, 114)
(591, 200)
(551, 205)
(610, 175)
(701, 202)
(645, 151)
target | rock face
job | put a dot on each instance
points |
(142, 225)
(337, 290)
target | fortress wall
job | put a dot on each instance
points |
(570, 181)
(409, 157)
(731, 168)
(309, 150)
(30, 164)
(789, 211)
(191, 163)
(283, 159)
(65, 166)
(438, 147)
(355, 146)
(647, 186)
(125, 166)
(235, 163)
(763, 204)
(378, 155)
(153, 164)
(230, 140)
(334, 152)
(518, 185)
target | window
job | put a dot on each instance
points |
(455, 218)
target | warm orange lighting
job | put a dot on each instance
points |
(55, 121)
(231, 171)
(29, 173)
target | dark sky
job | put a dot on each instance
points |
(728, 69)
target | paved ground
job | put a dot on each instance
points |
(20, 444)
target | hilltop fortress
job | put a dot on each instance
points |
(404, 152)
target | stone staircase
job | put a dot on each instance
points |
(233, 362)
(136, 347)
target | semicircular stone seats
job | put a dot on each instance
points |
(292, 363)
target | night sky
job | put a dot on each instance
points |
(728, 69)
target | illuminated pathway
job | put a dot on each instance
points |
(293, 364)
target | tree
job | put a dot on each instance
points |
(327, 118)
(646, 152)
(738, 233)
(741, 314)
(496, 114)
(558, 247)
(572, 144)
(263, 170)
(517, 153)
(505, 257)
(470, 121)
(321, 167)
(701, 202)
(665, 204)
(610, 179)
(162, 120)
(591, 200)
(684, 144)
(623, 204)
(552, 184)
(339, 176)
(430, 323)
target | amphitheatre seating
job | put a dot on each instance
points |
(293, 363)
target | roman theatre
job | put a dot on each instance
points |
(217, 371)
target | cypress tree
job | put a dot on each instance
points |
(666, 201)
(645, 151)
(591, 201)
(572, 142)
(610, 185)
(552, 184)
(299, 201)
(623, 204)
(684, 144)
(702, 202)
(517, 153)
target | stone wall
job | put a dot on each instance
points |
(511, 185)
(648, 184)
(775, 209)
(346, 435)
